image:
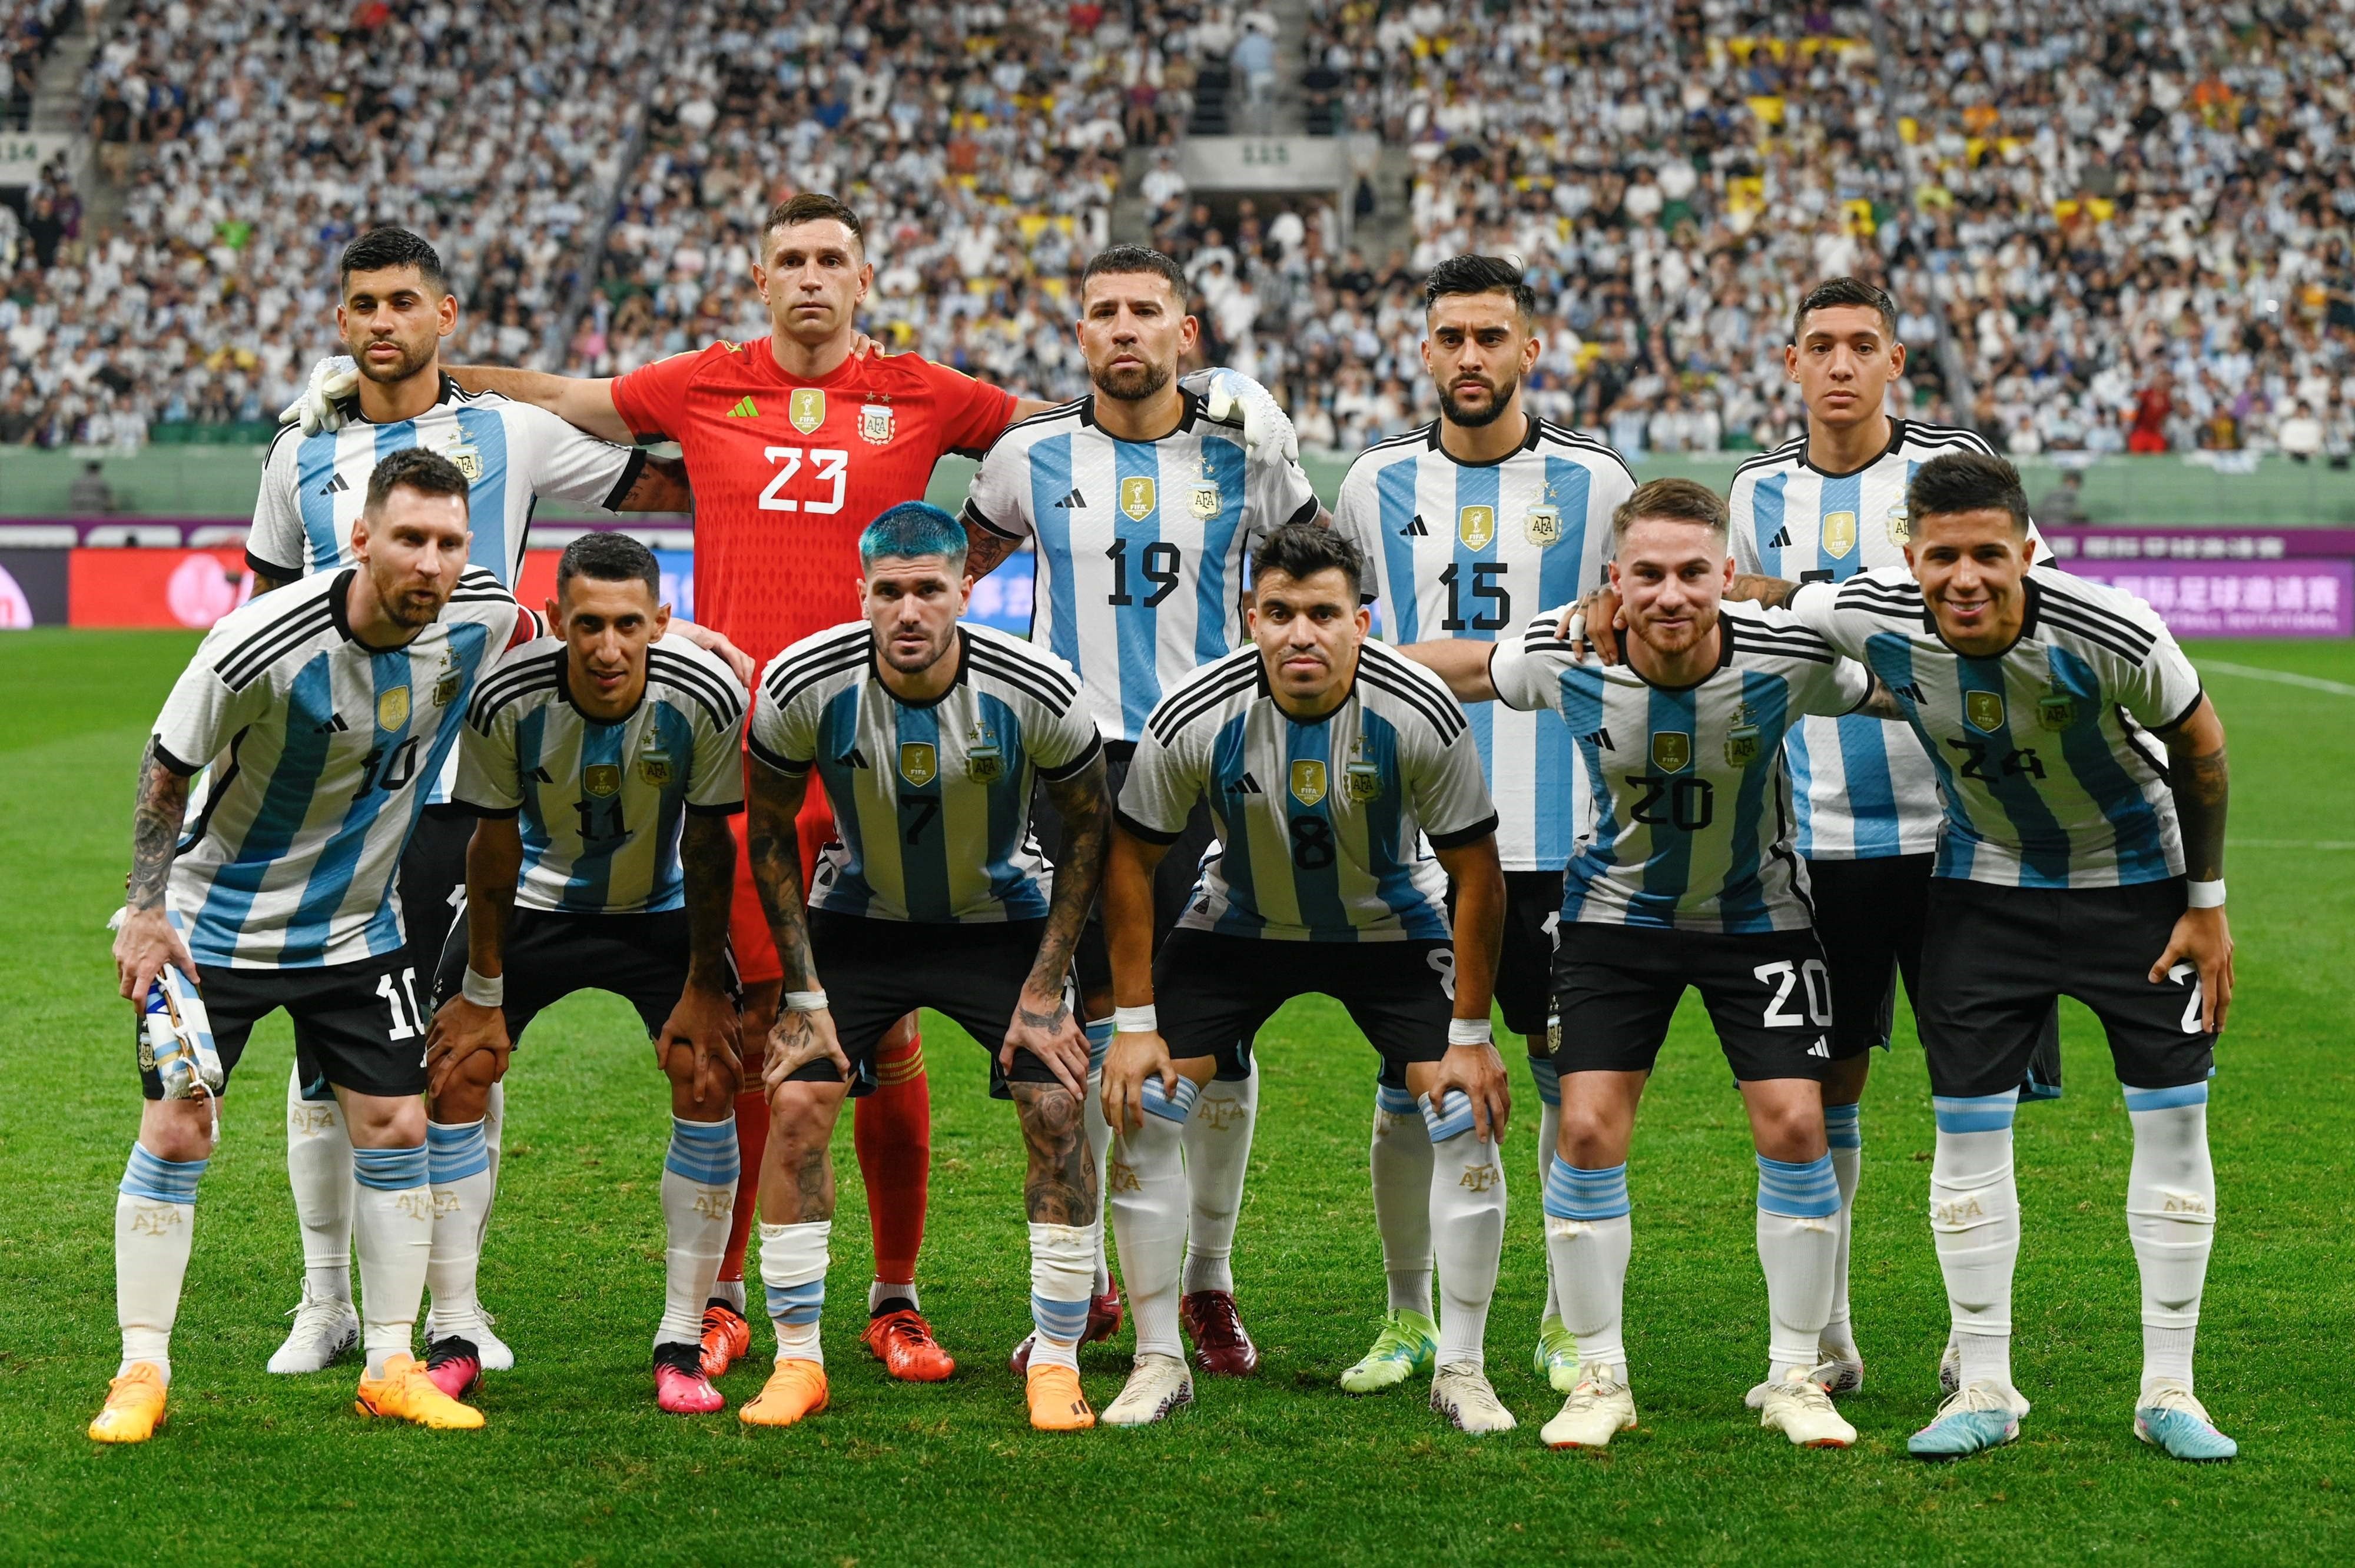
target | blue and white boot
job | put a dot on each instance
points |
(1979, 1416)
(2168, 1419)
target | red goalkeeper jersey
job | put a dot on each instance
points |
(787, 473)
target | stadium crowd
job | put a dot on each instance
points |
(2108, 229)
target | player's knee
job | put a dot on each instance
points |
(380, 1122)
(1792, 1133)
(178, 1131)
(463, 1098)
(1588, 1137)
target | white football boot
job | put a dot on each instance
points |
(325, 1328)
(1797, 1407)
(1599, 1408)
(1157, 1389)
(475, 1329)
(1461, 1392)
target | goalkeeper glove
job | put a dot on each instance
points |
(1268, 435)
(314, 409)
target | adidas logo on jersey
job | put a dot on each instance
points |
(541, 776)
(334, 724)
(1414, 528)
(1782, 539)
(1822, 1047)
(1247, 785)
(853, 758)
(1910, 692)
(1600, 738)
(744, 410)
(335, 485)
(1074, 502)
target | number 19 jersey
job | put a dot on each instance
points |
(1470, 550)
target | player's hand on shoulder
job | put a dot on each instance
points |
(459, 1030)
(1268, 435)
(1593, 626)
(1132, 1059)
(1047, 1030)
(1476, 1072)
(313, 407)
(144, 943)
(861, 345)
(797, 1040)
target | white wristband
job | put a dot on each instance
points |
(483, 991)
(804, 1002)
(1136, 1020)
(2206, 895)
(1469, 1032)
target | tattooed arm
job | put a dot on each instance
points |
(985, 549)
(146, 942)
(704, 1022)
(1042, 1022)
(2202, 785)
(774, 852)
(661, 486)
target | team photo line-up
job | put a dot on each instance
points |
(1843, 724)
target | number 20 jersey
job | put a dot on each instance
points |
(320, 749)
(1472, 550)
(1693, 825)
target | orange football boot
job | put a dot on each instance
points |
(406, 1392)
(134, 1406)
(904, 1342)
(1056, 1403)
(795, 1389)
(727, 1337)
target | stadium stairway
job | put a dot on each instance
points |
(59, 106)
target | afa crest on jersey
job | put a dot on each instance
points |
(655, 765)
(1542, 525)
(1475, 527)
(919, 764)
(1839, 534)
(1205, 501)
(467, 461)
(807, 408)
(392, 708)
(602, 780)
(1308, 782)
(875, 423)
(985, 759)
(445, 682)
(1985, 710)
(1671, 750)
(2056, 710)
(1900, 524)
(1139, 496)
(1742, 742)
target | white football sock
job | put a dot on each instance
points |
(154, 1225)
(1099, 1133)
(1467, 1224)
(793, 1272)
(1148, 1187)
(699, 1196)
(394, 1222)
(1798, 1237)
(1062, 1267)
(1588, 1236)
(1549, 1081)
(1400, 1161)
(460, 1169)
(2171, 1217)
(1218, 1154)
(902, 1291)
(1844, 1128)
(494, 1122)
(1975, 1220)
(319, 1168)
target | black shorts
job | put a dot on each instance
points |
(876, 972)
(358, 1026)
(1212, 993)
(1616, 988)
(1525, 959)
(1995, 959)
(1869, 915)
(548, 956)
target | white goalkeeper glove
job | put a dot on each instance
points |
(1268, 434)
(314, 409)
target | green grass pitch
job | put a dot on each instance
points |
(577, 1466)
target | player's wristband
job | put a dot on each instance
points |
(804, 1002)
(2206, 895)
(1136, 1020)
(484, 991)
(1469, 1032)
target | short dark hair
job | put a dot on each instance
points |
(425, 472)
(1121, 259)
(812, 207)
(1834, 291)
(1301, 550)
(1967, 481)
(909, 530)
(389, 247)
(1679, 500)
(610, 557)
(1479, 275)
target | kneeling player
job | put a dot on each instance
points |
(2062, 872)
(1689, 880)
(928, 736)
(604, 763)
(1324, 759)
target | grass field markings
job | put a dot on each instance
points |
(2285, 677)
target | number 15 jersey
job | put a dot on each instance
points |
(1471, 550)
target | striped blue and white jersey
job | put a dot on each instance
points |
(1864, 788)
(312, 487)
(319, 748)
(601, 802)
(1320, 824)
(931, 801)
(1693, 799)
(1471, 549)
(2047, 767)
(1142, 546)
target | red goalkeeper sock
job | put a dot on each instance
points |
(751, 1142)
(893, 1128)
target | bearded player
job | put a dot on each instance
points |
(793, 443)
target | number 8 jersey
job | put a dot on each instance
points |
(1693, 825)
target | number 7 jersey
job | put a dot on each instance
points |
(1472, 550)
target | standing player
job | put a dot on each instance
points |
(930, 735)
(1486, 508)
(1688, 880)
(602, 764)
(324, 711)
(1326, 760)
(2045, 702)
(1145, 509)
(393, 309)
